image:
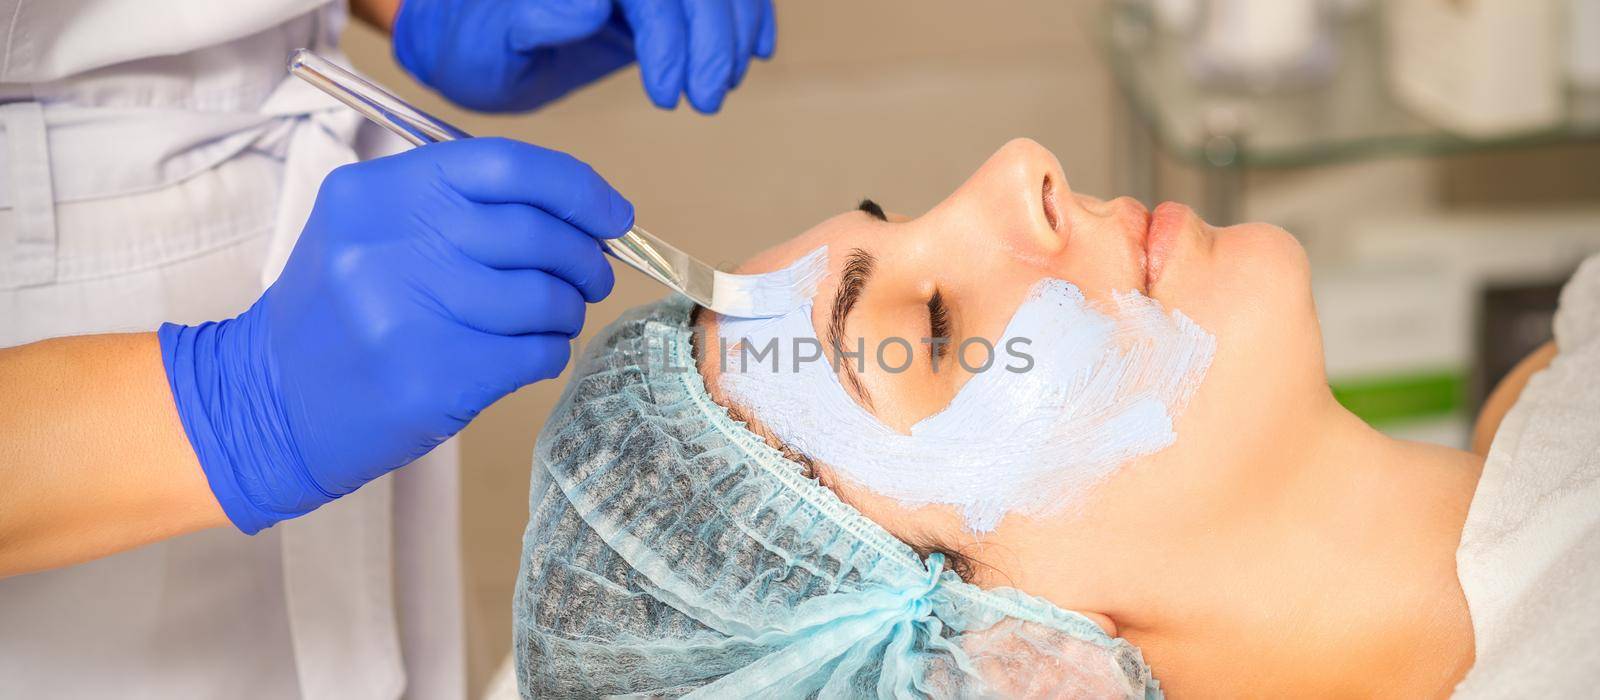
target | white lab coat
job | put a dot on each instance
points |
(156, 164)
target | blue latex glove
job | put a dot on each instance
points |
(517, 55)
(424, 287)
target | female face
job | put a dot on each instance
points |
(962, 269)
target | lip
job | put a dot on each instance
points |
(1134, 219)
(1166, 224)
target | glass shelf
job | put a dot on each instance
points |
(1349, 115)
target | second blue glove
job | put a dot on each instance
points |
(517, 55)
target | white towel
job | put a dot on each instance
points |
(1529, 560)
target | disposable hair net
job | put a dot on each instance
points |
(671, 552)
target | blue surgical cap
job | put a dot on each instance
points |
(672, 552)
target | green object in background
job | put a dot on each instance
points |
(1396, 398)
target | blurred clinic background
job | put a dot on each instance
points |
(1440, 160)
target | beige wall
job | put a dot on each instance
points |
(898, 101)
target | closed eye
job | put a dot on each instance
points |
(939, 324)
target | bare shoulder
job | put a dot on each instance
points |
(1505, 395)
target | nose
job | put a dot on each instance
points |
(1019, 209)
(1023, 196)
(1047, 218)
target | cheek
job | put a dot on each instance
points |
(930, 525)
(1268, 279)
(1257, 300)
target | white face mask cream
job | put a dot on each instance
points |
(1105, 387)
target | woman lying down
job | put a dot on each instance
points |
(1056, 447)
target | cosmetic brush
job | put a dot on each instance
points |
(746, 296)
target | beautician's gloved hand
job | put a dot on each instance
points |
(516, 55)
(424, 287)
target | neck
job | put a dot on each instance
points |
(1326, 567)
(1377, 604)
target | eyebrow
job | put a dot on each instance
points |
(857, 270)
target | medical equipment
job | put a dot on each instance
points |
(1483, 69)
(670, 552)
(745, 296)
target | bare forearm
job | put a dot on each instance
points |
(93, 458)
(378, 13)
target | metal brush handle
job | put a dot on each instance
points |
(638, 248)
